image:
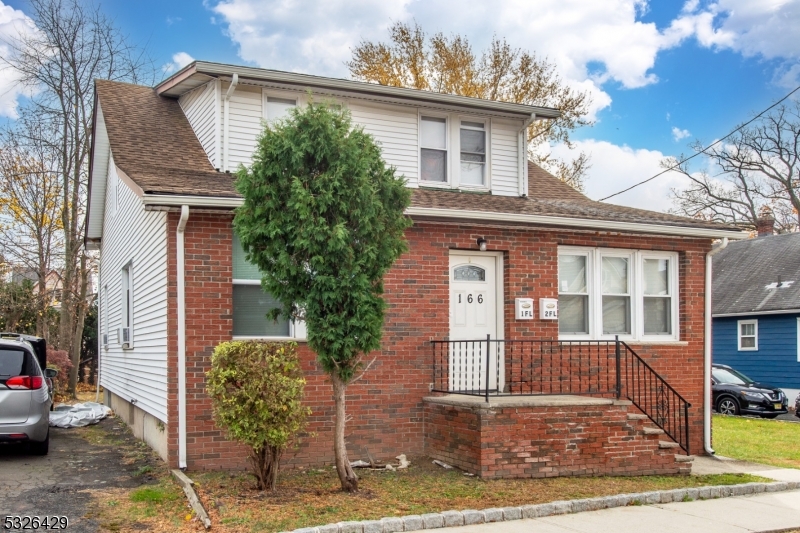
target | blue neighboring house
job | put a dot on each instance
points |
(756, 309)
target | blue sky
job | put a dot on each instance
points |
(661, 74)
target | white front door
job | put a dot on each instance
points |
(473, 316)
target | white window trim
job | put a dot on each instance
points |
(127, 313)
(739, 324)
(297, 328)
(453, 149)
(104, 316)
(276, 93)
(594, 279)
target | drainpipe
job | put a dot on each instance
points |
(181, 337)
(523, 152)
(226, 119)
(707, 351)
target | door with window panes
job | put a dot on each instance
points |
(473, 316)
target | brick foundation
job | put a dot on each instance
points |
(387, 403)
(543, 440)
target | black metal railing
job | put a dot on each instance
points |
(495, 367)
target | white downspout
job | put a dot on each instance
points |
(707, 351)
(523, 155)
(227, 120)
(181, 337)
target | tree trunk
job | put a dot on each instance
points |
(347, 476)
(77, 332)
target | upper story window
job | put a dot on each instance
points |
(748, 335)
(433, 149)
(605, 292)
(473, 153)
(278, 108)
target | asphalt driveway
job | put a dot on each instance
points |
(80, 460)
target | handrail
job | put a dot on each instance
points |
(498, 367)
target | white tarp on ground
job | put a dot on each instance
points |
(78, 415)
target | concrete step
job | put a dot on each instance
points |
(684, 458)
(652, 431)
(636, 416)
(666, 445)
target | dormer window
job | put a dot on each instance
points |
(433, 149)
(473, 153)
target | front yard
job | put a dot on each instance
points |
(772, 442)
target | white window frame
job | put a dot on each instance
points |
(104, 316)
(594, 280)
(739, 324)
(274, 93)
(126, 311)
(297, 329)
(453, 148)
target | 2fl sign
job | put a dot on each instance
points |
(548, 308)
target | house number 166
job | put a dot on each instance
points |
(469, 298)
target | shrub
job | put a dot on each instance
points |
(256, 390)
(59, 360)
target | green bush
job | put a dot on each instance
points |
(256, 390)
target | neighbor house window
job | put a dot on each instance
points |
(278, 108)
(603, 293)
(473, 153)
(748, 335)
(251, 303)
(433, 149)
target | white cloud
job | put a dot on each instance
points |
(679, 134)
(179, 60)
(617, 167)
(13, 24)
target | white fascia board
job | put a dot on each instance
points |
(583, 223)
(757, 313)
(483, 216)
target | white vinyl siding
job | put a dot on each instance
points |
(504, 157)
(395, 129)
(137, 237)
(244, 126)
(199, 106)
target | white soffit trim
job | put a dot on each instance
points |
(757, 313)
(606, 225)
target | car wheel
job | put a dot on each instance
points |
(727, 406)
(41, 448)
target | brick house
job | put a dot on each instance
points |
(523, 284)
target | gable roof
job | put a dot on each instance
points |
(154, 145)
(746, 276)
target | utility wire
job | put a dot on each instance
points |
(679, 163)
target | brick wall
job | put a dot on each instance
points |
(545, 441)
(386, 404)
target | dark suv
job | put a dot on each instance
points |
(735, 393)
(25, 392)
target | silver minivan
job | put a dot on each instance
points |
(25, 393)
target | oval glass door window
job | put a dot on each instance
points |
(469, 273)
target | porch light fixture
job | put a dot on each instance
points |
(482, 244)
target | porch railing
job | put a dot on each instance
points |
(495, 367)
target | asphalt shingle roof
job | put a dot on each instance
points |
(154, 144)
(746, 275)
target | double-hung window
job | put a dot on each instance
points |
(433, 149)
(473, 153)
(603, 293)
(126, 306)
(278, 108)
(748, 335)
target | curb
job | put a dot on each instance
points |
(504, 514)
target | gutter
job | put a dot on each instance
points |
(226, 112)
(707, 351)
(181, 336)
(150, 201)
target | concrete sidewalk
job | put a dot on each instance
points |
(761, 512)
(704, 465)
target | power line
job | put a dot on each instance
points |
(679, 163)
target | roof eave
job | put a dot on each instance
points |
(171, 87)
(757, 313)
(483, 216)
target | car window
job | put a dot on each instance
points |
(11, 363)
(732, 377)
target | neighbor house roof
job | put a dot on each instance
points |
(757, 276)
(154, 145)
